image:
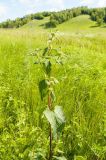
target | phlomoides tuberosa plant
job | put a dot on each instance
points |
(47, 58)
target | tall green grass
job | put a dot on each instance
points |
(81, 91)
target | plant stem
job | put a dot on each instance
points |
(50, 133)
(50, 154)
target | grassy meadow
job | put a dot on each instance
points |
(81, 91)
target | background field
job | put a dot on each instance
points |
(81, 91)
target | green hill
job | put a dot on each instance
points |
(78, 26)
(82, 25)
(36, 24)
(79, 23)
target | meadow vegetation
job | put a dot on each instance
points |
(81, 91)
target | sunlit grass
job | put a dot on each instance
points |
(81, 92)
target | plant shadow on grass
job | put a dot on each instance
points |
(94, 26)
(42, 25)
(103, 26)
(46, 26)
(97, 26)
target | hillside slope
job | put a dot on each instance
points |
(81, 25)
(36, 24)
(77, 24)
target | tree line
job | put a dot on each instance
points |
(18, 22)
(96, 14)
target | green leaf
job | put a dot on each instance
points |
(59, 158)
(56, 81)
(54, 51)
(39, 156)
(47, 67)
(51, 119)
(59, 61)
(36, 62)
(59, 114)
(79, 158)
(45, 51)
(53, 95)
(56, 119)
(43, 88)
(60, 118)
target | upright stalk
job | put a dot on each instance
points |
(46, 59)
(50, 132)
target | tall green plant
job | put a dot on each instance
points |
(47, 58)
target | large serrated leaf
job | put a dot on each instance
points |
(47, 66)
(59, 114)
(60, 118)
(56, 119)
(51, 119)
(43, 88)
